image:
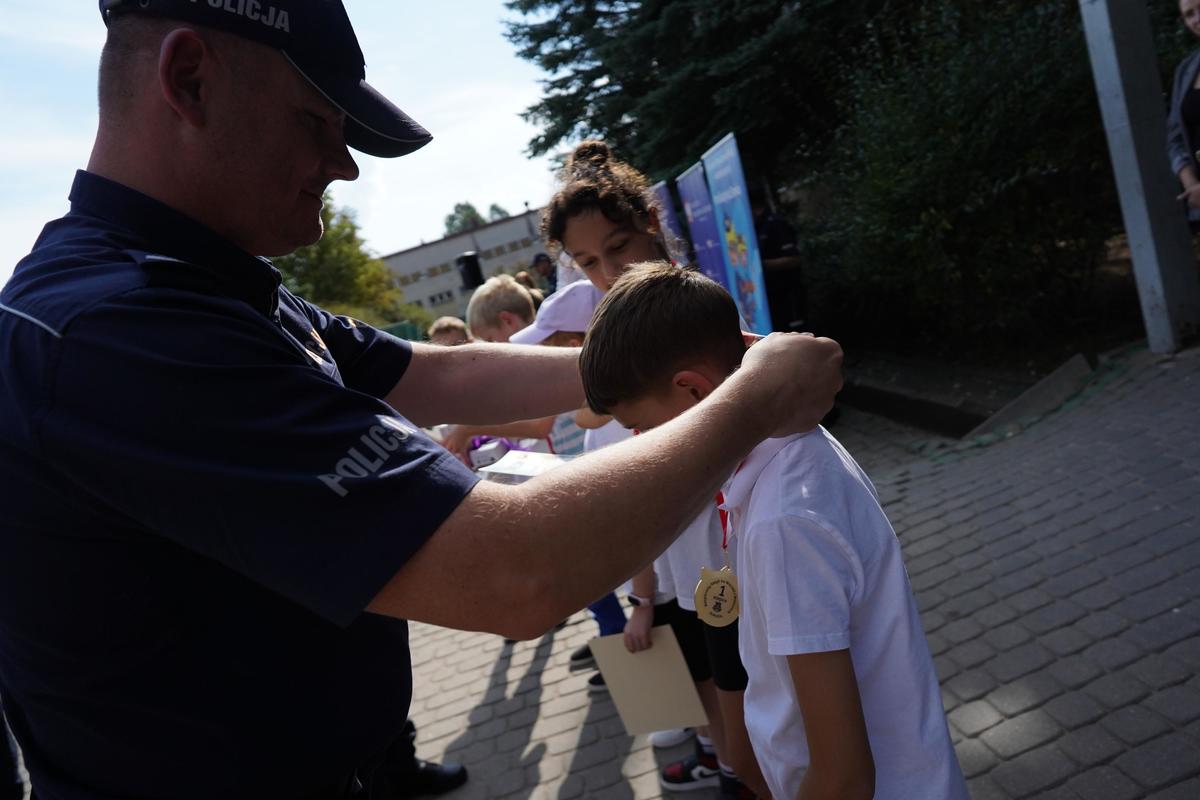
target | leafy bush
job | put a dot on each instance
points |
(970, 187)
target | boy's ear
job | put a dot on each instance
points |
(652, 226)
(694, 383)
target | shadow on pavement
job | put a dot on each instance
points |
(493, 747)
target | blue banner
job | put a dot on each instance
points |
(706, 238)
(739, 244)
(667, 203)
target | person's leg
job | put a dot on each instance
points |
(403, 775)
(11, 785)
(730, 678)
(702, 769)
(610, 618)
(739, 754)
(715, 730)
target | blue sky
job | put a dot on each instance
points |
(446, 64)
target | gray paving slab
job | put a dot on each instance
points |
(1058, 574)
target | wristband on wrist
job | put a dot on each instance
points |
(637, 601)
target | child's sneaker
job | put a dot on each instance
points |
(698, 771)
(596, 684)
(733, 789)
(670, 738)
(582, 658)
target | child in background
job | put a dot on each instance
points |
(560, 322)
(842, 698)
(499, 308)
(448, 332)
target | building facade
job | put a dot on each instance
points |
(428, 273)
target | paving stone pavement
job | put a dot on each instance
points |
(1058, 576)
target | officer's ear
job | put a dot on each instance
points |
(183, 61)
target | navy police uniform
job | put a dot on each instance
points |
(202, 490)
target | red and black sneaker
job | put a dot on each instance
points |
(699, 771)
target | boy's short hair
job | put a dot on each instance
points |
(451, 325)
(497, 294)
(656, 320)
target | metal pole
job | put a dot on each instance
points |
(1121, 47)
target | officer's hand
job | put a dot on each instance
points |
(792, 379)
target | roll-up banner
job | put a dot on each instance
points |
(738, 243)
(667, 203)
(698, 209)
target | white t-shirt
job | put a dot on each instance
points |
(678, 568)
(609, 433)
(566, 437)
(820, 569)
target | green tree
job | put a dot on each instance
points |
(498, 211)
(339, 274)
(662, 80)
(465, 217)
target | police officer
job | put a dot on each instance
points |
(218, 506)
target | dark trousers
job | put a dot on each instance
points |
(386, 775)
(379, 780)
(11, 787)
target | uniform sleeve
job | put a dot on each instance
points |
(195, 420)
(806, 578)
(370, 360)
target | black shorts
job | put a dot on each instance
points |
(724, 657)
(689, 632)
(710, 652)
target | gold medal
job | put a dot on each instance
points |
(717, 597)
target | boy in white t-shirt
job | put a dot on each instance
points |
(842, 698)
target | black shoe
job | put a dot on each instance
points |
(733, 789)
(596, 684)
(433, 779)
(582, 658)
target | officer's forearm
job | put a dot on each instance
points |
(487, 384)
